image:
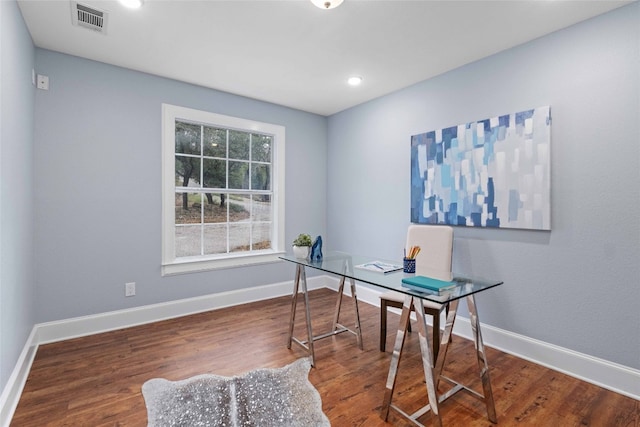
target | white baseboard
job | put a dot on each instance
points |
(609, 375)
(11, 394)
(103, 322)
(603, 373)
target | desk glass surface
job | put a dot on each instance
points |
(343, 264)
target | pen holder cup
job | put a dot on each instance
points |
(409, 265)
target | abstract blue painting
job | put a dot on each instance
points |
(489, 173)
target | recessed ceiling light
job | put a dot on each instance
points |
(355, 80)
(131, 4)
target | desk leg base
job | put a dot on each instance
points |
(482, 360)
(425, 349)
(336, 316)
(433, 371)
(301, 281)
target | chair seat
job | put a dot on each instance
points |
(399, 298)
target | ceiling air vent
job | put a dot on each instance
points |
(89, 17)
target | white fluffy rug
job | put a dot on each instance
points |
(262, 398)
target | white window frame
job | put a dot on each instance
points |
(173, 265)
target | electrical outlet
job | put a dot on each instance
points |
(129, 289)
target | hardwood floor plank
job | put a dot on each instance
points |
(97, 380)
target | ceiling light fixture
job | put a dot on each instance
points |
(132, 4)
(354, 81)
(327, 4)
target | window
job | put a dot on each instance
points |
(223, 190)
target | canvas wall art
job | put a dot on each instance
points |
(489, 173)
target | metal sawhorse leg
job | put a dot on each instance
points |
(433, 371)
(337, 328)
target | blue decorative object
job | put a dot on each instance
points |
(316, 250)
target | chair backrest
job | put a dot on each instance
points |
(436, 247)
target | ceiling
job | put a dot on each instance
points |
(291, 53)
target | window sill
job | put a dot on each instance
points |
(198, 265)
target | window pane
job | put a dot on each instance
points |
(261, 236)
(187, 171)
(239, 175)
(238, 145)
(188, 208)
(215, 142)
(188, 240)
(215, 208)
(222, 189)
(260, 177)
(215, 239)
(261, 148)
(239, 207)
(215, 173)
(262, 208)
(187, 138)
(239, 237)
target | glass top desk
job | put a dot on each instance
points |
(344, 266)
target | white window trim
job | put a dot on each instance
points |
(171, 265)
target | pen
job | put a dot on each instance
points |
(374, 265)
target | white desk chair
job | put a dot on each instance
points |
(436, 251)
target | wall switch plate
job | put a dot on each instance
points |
(129, 289)
(43, 82)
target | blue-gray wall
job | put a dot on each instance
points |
(577, 286)
(16, 187)
(80, 185)
(98, 186)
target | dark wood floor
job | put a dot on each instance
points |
(96, 380)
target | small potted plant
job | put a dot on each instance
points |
(302, 246)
